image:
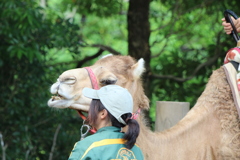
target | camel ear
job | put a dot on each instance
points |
(138, 68)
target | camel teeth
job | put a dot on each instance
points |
(56, 98)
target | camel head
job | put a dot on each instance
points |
(119, 70)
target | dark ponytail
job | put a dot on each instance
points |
(133, 129)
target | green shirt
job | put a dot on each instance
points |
(105, 144)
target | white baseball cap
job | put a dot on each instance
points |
(116, 100)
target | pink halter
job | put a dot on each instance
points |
(92, 78)
(94, 86)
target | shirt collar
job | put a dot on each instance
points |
(109, 128)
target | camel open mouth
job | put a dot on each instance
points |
(73, 102)
(83, 114)
(57, 97)
(58, 101)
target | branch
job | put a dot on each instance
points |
(54, 142)
(27, 153)
(4, 147)
(30, 146)
(42, 122)
(80, 63)
(102, 48)
(106, 48)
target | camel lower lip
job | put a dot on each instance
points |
(57, 103)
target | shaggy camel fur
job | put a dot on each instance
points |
(210, 131)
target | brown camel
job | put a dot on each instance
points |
(210, 131)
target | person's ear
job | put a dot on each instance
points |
(103, 114)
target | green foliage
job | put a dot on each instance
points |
(27, 124)
(19, 29)
(189, 36)
(102, 8)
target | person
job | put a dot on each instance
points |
(227, 26)
(110, 110)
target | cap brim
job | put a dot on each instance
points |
(90, 93)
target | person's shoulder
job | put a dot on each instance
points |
(86, 141)
(93, 138)
(137, 149)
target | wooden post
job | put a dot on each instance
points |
(169, 113)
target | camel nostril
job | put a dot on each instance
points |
(54, 88)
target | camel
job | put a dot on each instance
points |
(209, 131)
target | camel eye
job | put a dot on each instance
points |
(69, 80)
(108, 81)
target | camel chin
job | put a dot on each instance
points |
(79, 107)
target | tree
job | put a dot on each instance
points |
(27, 126)
(139, 33)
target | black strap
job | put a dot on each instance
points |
(228, 18)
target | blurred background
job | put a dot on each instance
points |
(181, 41)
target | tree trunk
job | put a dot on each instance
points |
(138, 37)
(138, 34)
